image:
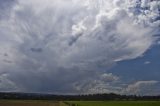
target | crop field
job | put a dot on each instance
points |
(77, 103)
(115, 103)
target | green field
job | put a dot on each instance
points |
(116, 103)
(77, 103)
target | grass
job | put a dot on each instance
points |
(77, 103)
(115, 103)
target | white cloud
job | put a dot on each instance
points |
(145, 3)
(100, 84)
(59, 41)
(139, 87)
(147, 62)
(109, 77)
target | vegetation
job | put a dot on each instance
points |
(114, 103)
(76, 103)
(30, 99)
(95, 97)
(29, 103)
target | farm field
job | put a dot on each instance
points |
(76, 103)
(30, 103)
(115, 103)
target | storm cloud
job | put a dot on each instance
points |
(66, 46)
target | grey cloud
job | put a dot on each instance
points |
(5, 7)
(6, 84)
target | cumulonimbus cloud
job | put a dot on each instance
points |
(44, 40)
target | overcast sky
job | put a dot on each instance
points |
(80, 46)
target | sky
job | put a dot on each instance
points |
(80, 46)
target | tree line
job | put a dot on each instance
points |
(87, 97)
